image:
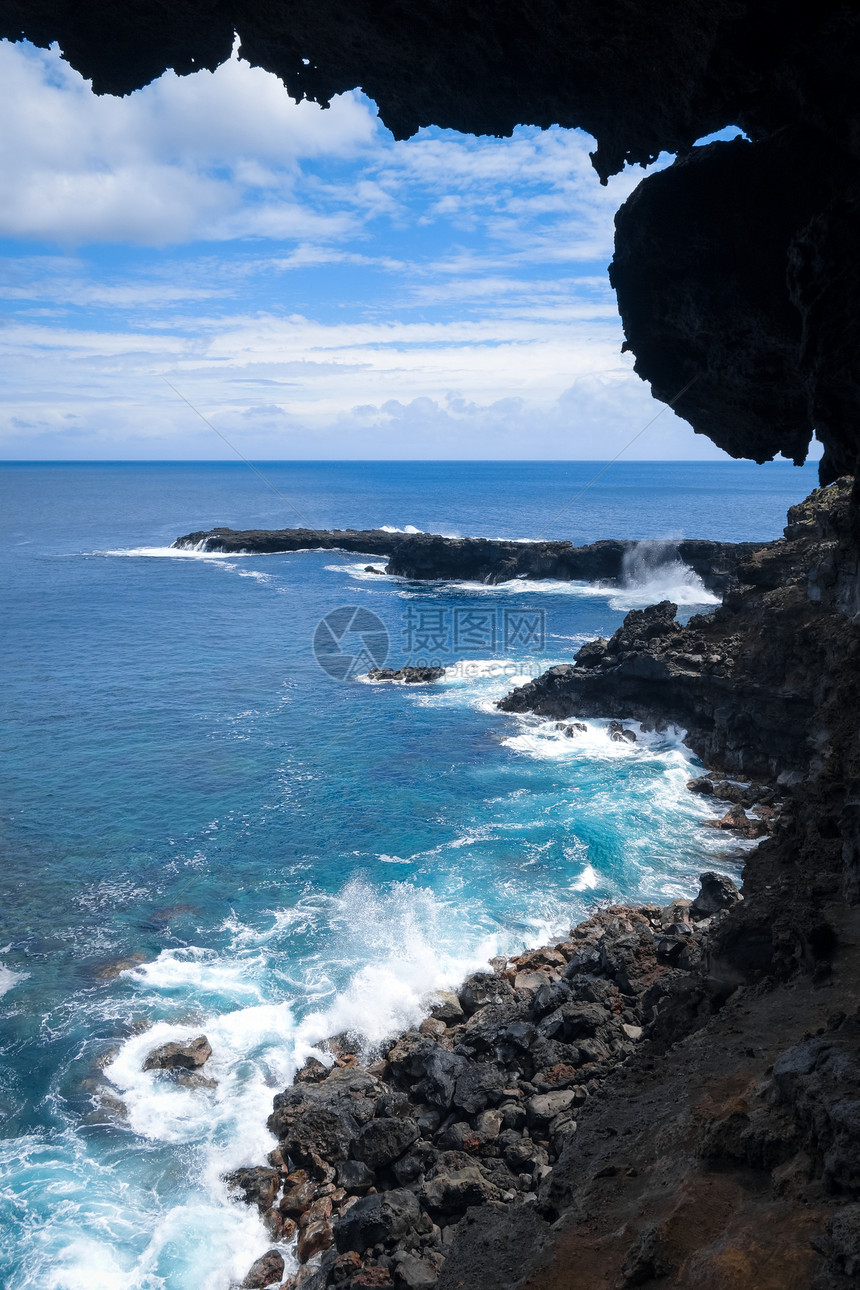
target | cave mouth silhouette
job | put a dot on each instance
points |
(735, 268)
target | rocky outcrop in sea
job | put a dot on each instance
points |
(428, 556)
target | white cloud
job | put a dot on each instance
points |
(227, 154)
(211, 156)
(439, 297)
(297, 388)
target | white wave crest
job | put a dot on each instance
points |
(9, 979)
(359, 571)
(541, 739)
(170, 553)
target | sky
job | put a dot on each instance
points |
(314, 288)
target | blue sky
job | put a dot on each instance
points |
(315, 288)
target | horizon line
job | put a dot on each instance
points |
(415, 461)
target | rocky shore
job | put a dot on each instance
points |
(428, 556)
(377, 1164)
(669, 1096)
(750, 681)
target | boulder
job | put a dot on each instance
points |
(574, 1021)
(310, 1130)
(482, 988)
(717, 892)
(485, 1026)
(314, 1238)
(381, 1219)
(192, 1079)
(355, 1177)
(383, 1141)
(298, 1199)
(260, 1185)
(453, 1190)
(447, 1008)
(416, 1272)
(521, 1154)
(620, 734)
(440, 1070)
(477, 1086)
(521, 1034)
(548, 997)
(268, 1268)
(530, 981)
(592, 653)
(544, 1107)
(188, 1056)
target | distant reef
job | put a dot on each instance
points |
(429, 556)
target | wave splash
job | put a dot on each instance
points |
(653, 571)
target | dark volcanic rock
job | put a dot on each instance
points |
(426, 557)
(381, 1142)
(307, 1130)
(375, 1220)
(710, 239)
(260, 1186)
(496, 1251)
(744, 681)
(189, 1056)
(820, 1080)
(717, 892)
(411, 675)
(268, 1268)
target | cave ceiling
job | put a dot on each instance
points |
(736, 268)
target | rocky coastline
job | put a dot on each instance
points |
(429, 556)
(667, 1096)
(379, 1161)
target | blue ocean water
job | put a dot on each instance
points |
(275, 854)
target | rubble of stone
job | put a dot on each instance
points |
(378, 1164)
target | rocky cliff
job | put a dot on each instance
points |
(750, 681)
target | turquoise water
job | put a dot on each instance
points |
(282, 855)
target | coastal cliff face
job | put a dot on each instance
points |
(750, 681)
(428, 556)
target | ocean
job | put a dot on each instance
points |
(203, 830)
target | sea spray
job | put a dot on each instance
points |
(653, 571)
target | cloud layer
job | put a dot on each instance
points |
(313, 286)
